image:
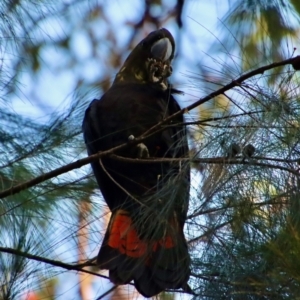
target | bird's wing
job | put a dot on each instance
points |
(144, 241)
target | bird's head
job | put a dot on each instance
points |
(150, 60)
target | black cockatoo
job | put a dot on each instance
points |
(144, 241)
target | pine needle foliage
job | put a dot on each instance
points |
(243, 222)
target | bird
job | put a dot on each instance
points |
(144, 242)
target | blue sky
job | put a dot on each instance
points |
(53, 87)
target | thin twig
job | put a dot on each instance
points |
(203, 121)
(216, 160)
(225, 207)
(56, 263)
(208, 232)
(118, 185)
(107, 292)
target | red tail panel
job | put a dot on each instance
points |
(153, 265)
(124, 238)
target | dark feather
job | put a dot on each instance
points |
(144, 241)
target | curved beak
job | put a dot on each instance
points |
(162, 49)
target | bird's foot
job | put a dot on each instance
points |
(140, 150)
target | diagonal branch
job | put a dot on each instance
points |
(158, 127)
(56, 263)
(107, 292)
(227, 87)
(118, 185)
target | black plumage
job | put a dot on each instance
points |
(144, 241)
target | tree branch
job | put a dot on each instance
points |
(107, 292)
(272, 201)
(79, 163)
(56, 263)
(225, 88)
(215, 160)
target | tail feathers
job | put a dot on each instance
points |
(154, 266)
(171, 266)
(146, 285)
